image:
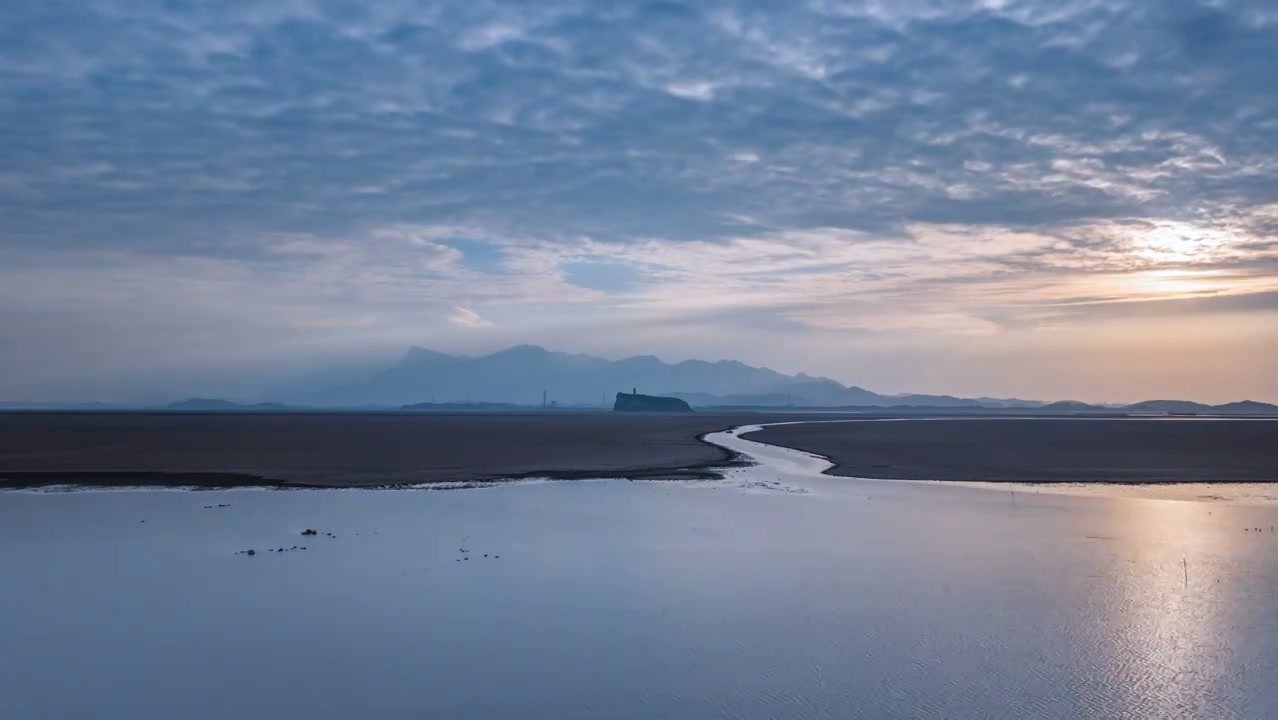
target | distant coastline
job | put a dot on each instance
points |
(527, 377)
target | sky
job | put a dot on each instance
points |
(1027, 198)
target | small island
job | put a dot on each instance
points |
(634, 402)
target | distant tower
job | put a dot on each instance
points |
(543, 398)
(634, 391)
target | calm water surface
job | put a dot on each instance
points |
(774, 594)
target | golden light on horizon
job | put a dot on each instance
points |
(1163, 284)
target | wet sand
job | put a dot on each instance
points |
(351, 449)
(1042, 450)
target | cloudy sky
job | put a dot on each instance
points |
(981, 197)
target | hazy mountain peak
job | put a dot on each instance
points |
(203, 404)
(521, 351)
(417, 355)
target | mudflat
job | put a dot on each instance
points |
(350, 449)
(355, 449)
(1042, 450)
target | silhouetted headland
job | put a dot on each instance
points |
(634, 402)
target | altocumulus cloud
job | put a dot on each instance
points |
(956, 183)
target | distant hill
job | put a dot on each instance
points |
(37, 406)
(203, 404)
(1246, 407)
(217, 405)
(634, 402)
(456, 406)
(1072, 406)
(935, 401)
(1008, 402)
(1168, 406)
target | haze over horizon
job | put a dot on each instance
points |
(1010, 198)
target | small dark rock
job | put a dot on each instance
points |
(309, 531)
(250, 552)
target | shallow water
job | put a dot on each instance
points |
(775, 593)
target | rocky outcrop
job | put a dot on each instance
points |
(634, 402)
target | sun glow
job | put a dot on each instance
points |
(1179, 242)
(1158, 284)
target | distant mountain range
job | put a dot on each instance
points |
(530, 375)
(527, 375)
(214, 404)
(1167, 407)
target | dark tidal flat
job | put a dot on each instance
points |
(1042, 449)
(373, 449)
(348, 449)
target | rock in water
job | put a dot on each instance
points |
(634, 402)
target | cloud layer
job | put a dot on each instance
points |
(822, 185)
